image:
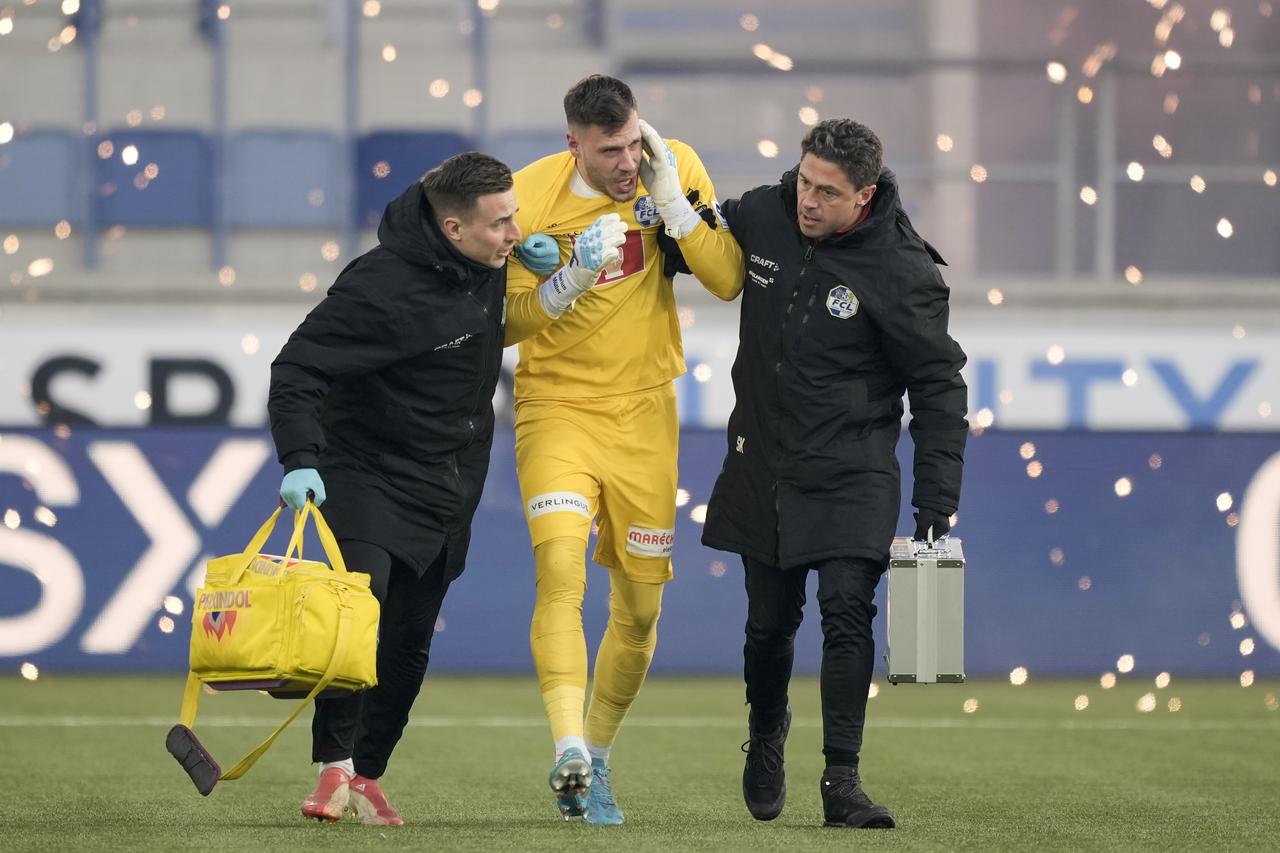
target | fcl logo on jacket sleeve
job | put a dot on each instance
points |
(841, 302)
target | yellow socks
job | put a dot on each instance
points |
(623, 659)
(560, 649)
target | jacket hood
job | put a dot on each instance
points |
(884, 205)
(409, 230)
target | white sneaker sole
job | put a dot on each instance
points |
(570, 782)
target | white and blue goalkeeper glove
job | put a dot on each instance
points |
(540, 254)
(660, 177)
(597, 248)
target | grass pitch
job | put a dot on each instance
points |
(83, 765)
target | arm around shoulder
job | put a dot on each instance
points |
(709, 248)
(526, 315)
(716, 260)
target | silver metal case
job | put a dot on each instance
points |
(926, 611)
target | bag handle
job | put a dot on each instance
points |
(327, 540)
(255, 545)
(191, 696)
(299, 528)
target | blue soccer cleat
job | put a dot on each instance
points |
(570, 780)
(602, 808)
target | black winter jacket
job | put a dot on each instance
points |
(387, 388)
(831, 336)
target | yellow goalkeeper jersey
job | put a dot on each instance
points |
(624, 335)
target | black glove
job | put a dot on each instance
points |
(926, 518)
(672, 258)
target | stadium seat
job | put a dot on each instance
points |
(284, 179)
(37, 178)
(388, 161)
(180, 195)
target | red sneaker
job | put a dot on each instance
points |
(329, 800)
(370, 805)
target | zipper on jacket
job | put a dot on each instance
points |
(484, 368)
(777, 370)
(804, 266)
(777, 514)
(808, 256)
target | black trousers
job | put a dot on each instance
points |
(367, 726)
(775, 608)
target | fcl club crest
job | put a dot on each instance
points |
(219, 622)
(841, 302)
(646, 211)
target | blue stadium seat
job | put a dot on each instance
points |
(519, 148)
(179, 196)
(388, 161)
(37, 178)
(284, 179)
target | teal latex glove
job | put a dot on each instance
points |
(540, 253)
(297, 484)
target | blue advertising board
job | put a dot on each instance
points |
(1081, 547)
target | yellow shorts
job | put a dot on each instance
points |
(612, 457)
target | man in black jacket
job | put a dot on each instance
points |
(387, 389)
(843, 312)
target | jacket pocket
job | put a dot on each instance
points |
(850, 455)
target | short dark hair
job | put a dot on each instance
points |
(850, 145)
(453, 187)
(599, 100)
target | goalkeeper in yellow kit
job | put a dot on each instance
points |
(596, 425)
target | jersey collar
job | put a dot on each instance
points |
(579, 187)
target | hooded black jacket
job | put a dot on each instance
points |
(832, 334)
(387, 389)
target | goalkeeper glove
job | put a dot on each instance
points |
(658, 171)
(539, 253)
(299, 485)
(598, 247)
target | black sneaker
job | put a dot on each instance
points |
(844, 803)
(764, 784)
